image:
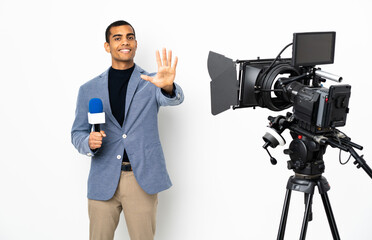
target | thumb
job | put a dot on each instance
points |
(103, 133)
(146, 78)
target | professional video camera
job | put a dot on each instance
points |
(280, 83)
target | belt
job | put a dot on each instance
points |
(126, 168)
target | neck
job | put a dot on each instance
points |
(122, 65)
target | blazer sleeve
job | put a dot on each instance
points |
(81, 128)
(170, 101)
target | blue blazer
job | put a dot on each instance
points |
(139, 135)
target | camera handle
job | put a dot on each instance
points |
(349, 146)
(316, 74)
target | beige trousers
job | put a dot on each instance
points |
(139, 211)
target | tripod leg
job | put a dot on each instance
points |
(311, 210)
(305, 222)
(283, 219)
(331, 218)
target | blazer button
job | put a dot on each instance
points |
(124, 135)
(118, 157)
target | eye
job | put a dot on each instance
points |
(117, 39)
(130, 38)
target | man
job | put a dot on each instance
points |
(127, 166)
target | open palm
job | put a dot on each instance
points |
(166, 72)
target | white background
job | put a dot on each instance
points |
(224, 185)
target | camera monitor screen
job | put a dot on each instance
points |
(314, 48)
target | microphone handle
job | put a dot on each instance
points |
(96, 127)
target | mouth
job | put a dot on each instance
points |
(126, 50)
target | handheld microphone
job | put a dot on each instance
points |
(96, 116)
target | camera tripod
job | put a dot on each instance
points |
(307, 184)
(306, 153)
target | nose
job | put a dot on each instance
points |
(125, 42)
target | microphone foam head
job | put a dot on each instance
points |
(95, 105)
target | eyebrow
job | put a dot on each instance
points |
(120, 35)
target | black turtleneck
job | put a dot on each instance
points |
(117, 86)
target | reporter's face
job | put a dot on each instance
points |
(122, 45)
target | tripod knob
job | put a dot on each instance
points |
(288, 151)
(289, 165)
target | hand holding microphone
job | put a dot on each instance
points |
(96, 116)
(95, 139)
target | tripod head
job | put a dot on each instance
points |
(307, 148)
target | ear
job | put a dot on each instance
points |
(107, 47)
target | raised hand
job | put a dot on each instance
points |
(166, 72)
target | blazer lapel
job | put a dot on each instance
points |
(132, 87)
(106, 99)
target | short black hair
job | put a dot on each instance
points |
(116, 24)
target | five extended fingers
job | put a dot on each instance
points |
(163, 62)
